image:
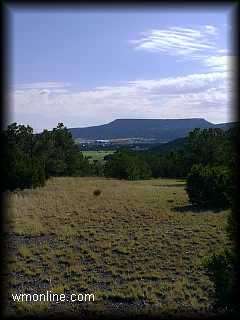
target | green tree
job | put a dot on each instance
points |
(59, 153)
(22, 168)
(125, 164)
(209, 186)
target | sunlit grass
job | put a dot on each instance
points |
(128, 245)
(97, 155)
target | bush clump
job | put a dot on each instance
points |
(220, 268)
(209, 186)
(97, 192)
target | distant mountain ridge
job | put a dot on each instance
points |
(162, 130)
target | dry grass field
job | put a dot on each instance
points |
(137, 246)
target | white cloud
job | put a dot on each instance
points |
(211, 30)
(219, 62)
(178, 41)
(222, 51)
(205, 95)
(181, 84)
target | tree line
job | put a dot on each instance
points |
(206, 160)
(30, 159)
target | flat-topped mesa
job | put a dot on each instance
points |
(162, 122)
(162, 130)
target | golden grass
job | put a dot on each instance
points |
(128, 245)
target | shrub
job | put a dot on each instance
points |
(209, 186)
(22, 172)
(220, 268)
(97, 192)
(97, 168)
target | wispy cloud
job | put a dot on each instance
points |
(219, 62)
(197, 44)
(178, 40)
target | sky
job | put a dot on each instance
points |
(86, 67)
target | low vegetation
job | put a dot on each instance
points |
(209, 187)
(137, 246)
(97, 155)
(135, 242)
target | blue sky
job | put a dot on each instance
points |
(88, 67)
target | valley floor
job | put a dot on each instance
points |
(137, 246)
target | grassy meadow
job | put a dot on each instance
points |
(97, 155)
(137, 246)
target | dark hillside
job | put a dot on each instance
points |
(173, 145)
(163, 130)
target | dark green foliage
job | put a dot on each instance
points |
(97, 168)
(21, 166)
(211, 154)
(207, 147)
(223, 270)
(29, 158)
(177, 144)
(220, 268)
(60, 154)
(125, 164)
(202, 146)
(171, 165)
(209, 186)
(213, 147)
